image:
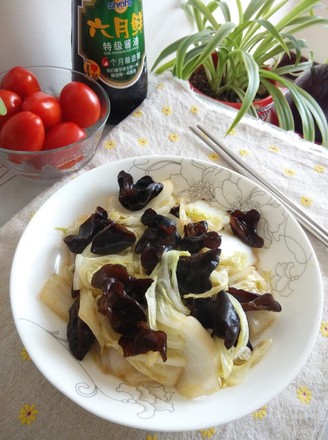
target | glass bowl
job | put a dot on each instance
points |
(49, 165)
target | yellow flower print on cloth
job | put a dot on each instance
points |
(173, 137)
(304, 395)
(289, 172)
(319, 169)
(24, 354)
(138, 113)
(110, 145)
(194, 110)
(151, 437)
(208, 433)
(324, 329)
(167, 110)
(260, 414)
(274, 149)
(214, 157)
(143, 142)
(244, 152)
(27, 414)
(306, 201)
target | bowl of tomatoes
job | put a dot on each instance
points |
(51, 120)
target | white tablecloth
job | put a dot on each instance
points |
(31, 408)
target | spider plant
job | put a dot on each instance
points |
(249, 50)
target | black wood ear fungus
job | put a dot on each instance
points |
(135, 196)
(244, 226)
(197, 237)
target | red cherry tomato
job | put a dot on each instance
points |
(45, 106)
(13, 104)
(23, 132)
(62, 134)
(80, 104)
(21, 81)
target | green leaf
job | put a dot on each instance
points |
(264, 11)
(169, 65)
(276, 50)
(193, 41)
(271, 37)
(302, 23)
(272, 8)
(292, 69)
(225, 11)
(169, 50)
(3, 109)
(302, 7)
(291, 44)
(188, 11)
(253, 8)
(307, 107)
(173, 47)
(205, 11)
(240, 11)
(282, 109)
(237, 38)
(317, 113)
(213, 6)
(208, 49)
(190, 58)
(253, 86)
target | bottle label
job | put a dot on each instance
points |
(111, 40)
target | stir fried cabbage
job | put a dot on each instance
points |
(199, 360)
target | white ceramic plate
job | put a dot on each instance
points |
(287, 253)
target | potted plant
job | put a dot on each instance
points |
(241, 61)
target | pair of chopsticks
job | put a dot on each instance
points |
(232, 159)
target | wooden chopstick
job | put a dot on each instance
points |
(245, 169)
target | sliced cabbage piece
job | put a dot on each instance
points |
(195, 350)
(241, 367)
(56, 294)
(163, 373)
(166, 289)
(86, 266)
(243, 337)
(259, 321)
(192, 342)
(220, 278)
(232, 246)
(200, 375)
(97, 322)
(239, 267)
(202, 210)
(250, 280)
(113, 362)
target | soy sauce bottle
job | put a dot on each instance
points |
(108, 44)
